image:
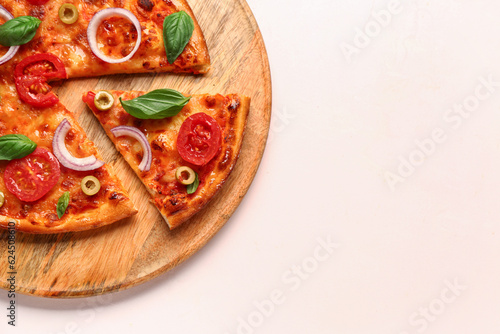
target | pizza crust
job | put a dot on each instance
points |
(197, 43)
(105, 214)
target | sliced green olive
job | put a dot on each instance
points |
(90, 185)
(2, 199)
(68, 13)
(185, 175)
(104, 100)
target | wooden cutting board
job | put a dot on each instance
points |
(138, 249)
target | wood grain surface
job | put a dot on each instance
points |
(138, 249)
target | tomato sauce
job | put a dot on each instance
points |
(116, 37)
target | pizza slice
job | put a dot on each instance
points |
(94, 38)
(182, 156)
(52, 179)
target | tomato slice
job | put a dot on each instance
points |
(199, 139)
(89, 100)
(31, 177)
(31, 76)
(35, 91)
(46, 65)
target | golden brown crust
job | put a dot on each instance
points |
(197, 43)
(84, 212)
(70, 44)
(168, 195)
(105, 214)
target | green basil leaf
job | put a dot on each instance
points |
(62, 204)
(177, 31)
(157, 104)
(15, 147)
(19, 30)
(191, 188)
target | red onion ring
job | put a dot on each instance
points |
(94, 25)
(4, 13)
(63, 155)
(135, 133)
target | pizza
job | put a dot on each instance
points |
(103, 39)
(52, 179)
(183, 160)
(32, 186)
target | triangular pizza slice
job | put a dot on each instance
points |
(52, 179)
(182, 157)
(94, 38)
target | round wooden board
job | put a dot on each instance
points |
(140, 248)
